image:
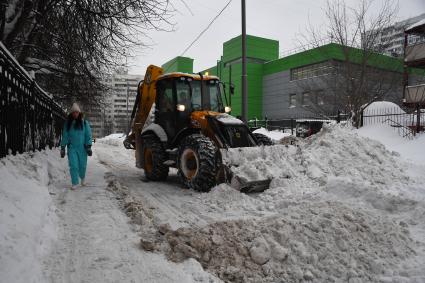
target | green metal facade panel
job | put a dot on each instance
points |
(255, 88)
(256, 47)
(179, 64)
(328, 52)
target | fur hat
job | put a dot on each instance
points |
(75, 108)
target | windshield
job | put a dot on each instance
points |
(213, 96)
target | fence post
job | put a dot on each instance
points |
(292, 126)
(418, 119)
(33, 122)
(361, 119)
(266, 122)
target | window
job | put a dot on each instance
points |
(183, 94)
(292, 100)
(165, 96)
(310, 71)
(305, 99)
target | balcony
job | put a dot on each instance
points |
(415, 94)
(415, 54)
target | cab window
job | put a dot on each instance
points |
(183, 94)
(165, 97)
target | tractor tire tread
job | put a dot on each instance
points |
(206, 152)
(159, 156)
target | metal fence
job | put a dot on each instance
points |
(289, 125)
(406, 123)
(29, 118)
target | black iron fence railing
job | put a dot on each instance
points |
(408, 124)
(289, 125)
(29, 118)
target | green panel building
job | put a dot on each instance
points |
(275, 84)
(179, 64)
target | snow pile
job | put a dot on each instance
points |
(224, 203)
(257, 163)
(409, 149)
(113, 139)
(333, 152)
(320, 242)
(27, 217)
(274, 135)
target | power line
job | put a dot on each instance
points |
(209, 25)
(203, 31)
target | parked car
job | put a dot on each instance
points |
(308, 127)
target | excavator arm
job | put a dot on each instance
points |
(146, 95)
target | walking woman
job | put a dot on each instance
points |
(77, 137)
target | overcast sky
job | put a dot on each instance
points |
(282, 20)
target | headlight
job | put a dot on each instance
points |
(180, 107)
(227, 109)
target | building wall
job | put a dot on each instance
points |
(229, 69)
(179, 64)
(276, 97)
(95, 117)
(269, 77)
(322, 99)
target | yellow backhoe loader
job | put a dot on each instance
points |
(181, 120)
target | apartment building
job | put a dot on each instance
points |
(119, 100)
(391, 40)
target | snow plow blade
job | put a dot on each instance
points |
(249, 186)
(243, 169)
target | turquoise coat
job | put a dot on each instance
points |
(75, 140)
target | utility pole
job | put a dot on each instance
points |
(244, 82)
(126, 111)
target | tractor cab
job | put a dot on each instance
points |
(183, 101)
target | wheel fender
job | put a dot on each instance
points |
(157, 130)
(184, 133)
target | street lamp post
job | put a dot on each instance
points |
(244, 76)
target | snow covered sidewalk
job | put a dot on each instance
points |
(83, 234)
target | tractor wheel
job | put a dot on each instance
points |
(263, 139)
(154, 157)
(196, 162)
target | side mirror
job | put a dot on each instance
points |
(232, 89)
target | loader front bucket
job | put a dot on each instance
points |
(245, 186)
(232, 175)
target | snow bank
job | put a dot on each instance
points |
(274, 135)
(113, 139)
(319, 242)
(412, 150)
(27, 217)
(334, 151)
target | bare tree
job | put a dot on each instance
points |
(70, 43)
(360, 74)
